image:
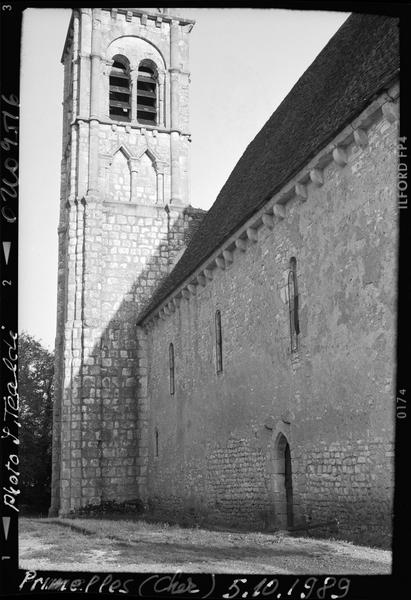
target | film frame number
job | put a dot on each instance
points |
(401, 405)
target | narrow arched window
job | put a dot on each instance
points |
(293, 304)
(120, 93)
(147, 93)
(171, 366)
(218, 342)
(156, 440)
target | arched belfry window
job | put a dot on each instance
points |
(147, 93)
(120, 92)
(293, 304)
(171, 367)
(218, 342)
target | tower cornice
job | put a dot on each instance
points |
(165, 16)
(135, 12)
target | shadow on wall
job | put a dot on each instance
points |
(100, 415)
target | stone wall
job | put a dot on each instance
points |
(130, 248)
(218, 454)
(351, 481)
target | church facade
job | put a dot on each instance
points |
(236, 367)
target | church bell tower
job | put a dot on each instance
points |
(123, 220)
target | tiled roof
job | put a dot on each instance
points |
(356, 64)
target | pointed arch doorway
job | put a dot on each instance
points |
(283, 484)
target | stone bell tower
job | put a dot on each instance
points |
(124, 218)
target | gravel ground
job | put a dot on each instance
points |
(137, 546)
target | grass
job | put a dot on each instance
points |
(137, 545)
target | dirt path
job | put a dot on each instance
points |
(136, 546)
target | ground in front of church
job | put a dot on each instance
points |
(138, 546)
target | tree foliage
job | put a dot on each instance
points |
(36, 368)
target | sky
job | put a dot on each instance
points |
(243, 62)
